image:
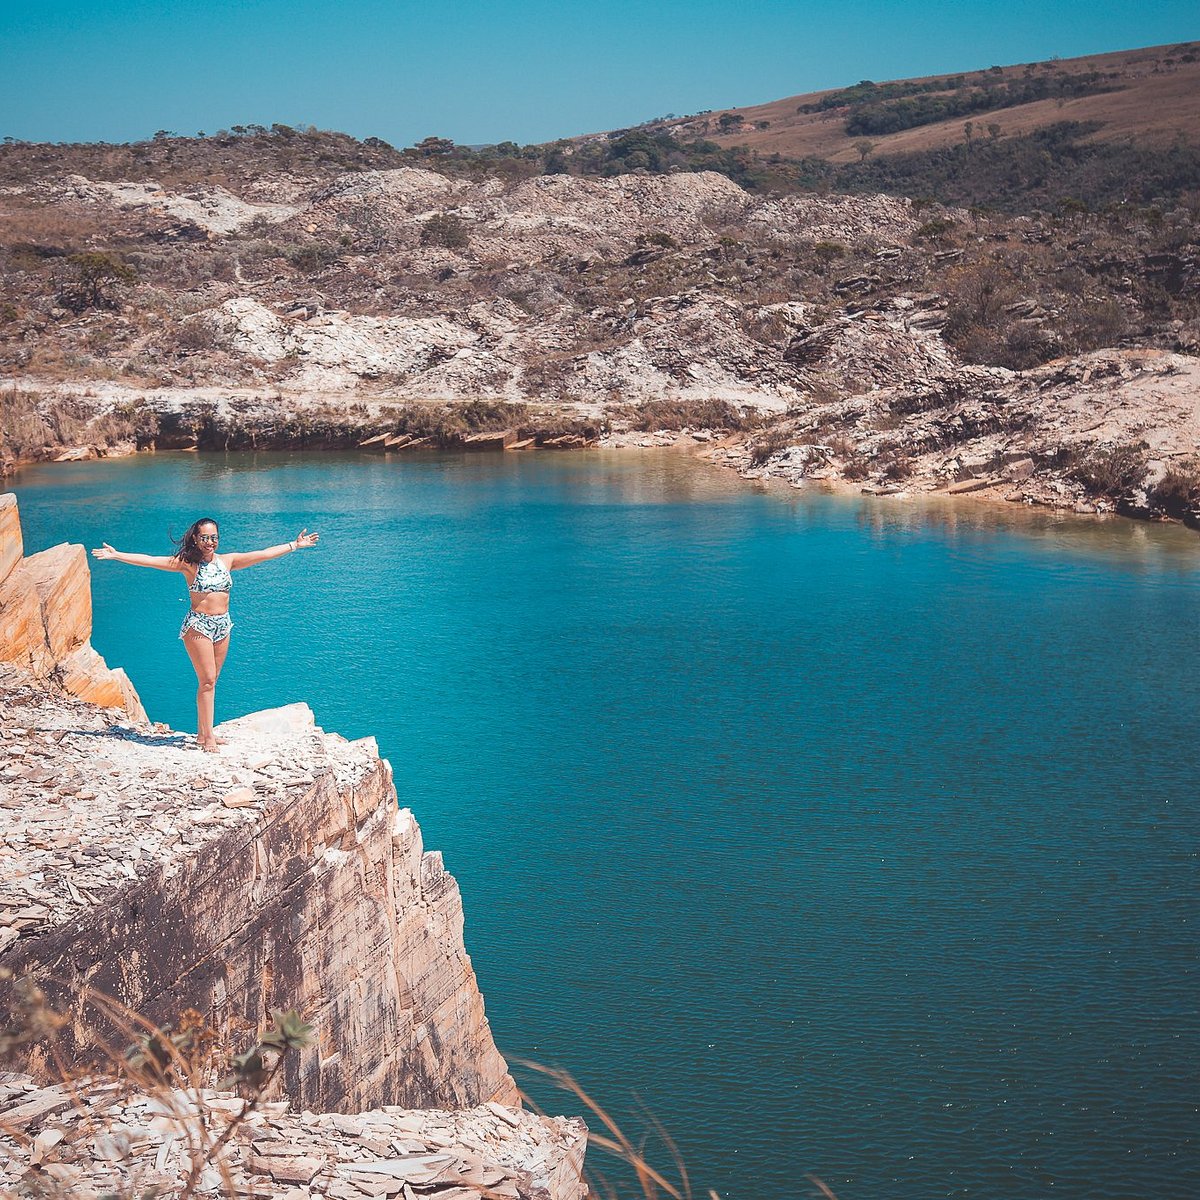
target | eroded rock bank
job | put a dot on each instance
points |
(1111, 430)
(46, 620)
(854, 337)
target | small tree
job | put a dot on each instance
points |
(432, 147)
(864, 146)
(94, 280)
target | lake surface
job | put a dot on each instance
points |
(854, 838)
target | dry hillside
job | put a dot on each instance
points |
(1150, 95)
(293, 287)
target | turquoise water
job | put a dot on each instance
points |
(854, 837)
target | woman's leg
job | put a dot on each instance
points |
(203, 655)
(220, 649)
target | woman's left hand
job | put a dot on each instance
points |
(305, 540)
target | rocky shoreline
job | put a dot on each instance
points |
(1113, 431)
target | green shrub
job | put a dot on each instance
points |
(826, 252)
(313, 257)
(936, 228)
(93, 280)
(195, 333)
(447, 230)
(1113, 472)
(1177, 493)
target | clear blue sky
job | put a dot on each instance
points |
(484, 70)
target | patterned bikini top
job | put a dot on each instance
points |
(212, 576)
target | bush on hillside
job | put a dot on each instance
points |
(1113, 472)
(93, 279)
(1177, 493)
(313, 257)
(447, 230)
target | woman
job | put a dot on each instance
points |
(206, 628)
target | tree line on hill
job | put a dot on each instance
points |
(1037, 171)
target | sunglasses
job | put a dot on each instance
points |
(206, 537)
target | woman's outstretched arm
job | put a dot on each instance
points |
(160, 562)
(303, 541)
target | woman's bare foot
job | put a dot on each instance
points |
(211, 745)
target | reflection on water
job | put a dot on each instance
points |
(628, 477)
(959, 518)
(854, 836)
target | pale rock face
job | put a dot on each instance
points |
(46, 619)
(405, 188)
(861, 220)
(212, 208)
(334, 342)
(279, 874)
(247, 327)
(567, 214)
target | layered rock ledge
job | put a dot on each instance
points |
(280, 874)
(104, 1140)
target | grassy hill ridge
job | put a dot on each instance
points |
(1150, 94)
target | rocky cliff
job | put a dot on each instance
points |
(46, 619)
(279, 874)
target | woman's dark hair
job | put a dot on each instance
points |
(187, 549)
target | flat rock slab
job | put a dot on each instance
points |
(100, 1136)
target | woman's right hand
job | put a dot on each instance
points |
(105, 551)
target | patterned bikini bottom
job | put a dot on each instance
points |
(214, 626)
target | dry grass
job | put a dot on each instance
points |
(1177, 493)
(653, 1182)
(27, 229)
(1158, 99)
(33, 427)
(676, 415)
(1113, 472)
(171, 1066)
(770, 442)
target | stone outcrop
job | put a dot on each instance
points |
(46, 619)
(213, 210)
(101, 1139)
(280, 875)
(1001, 434)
